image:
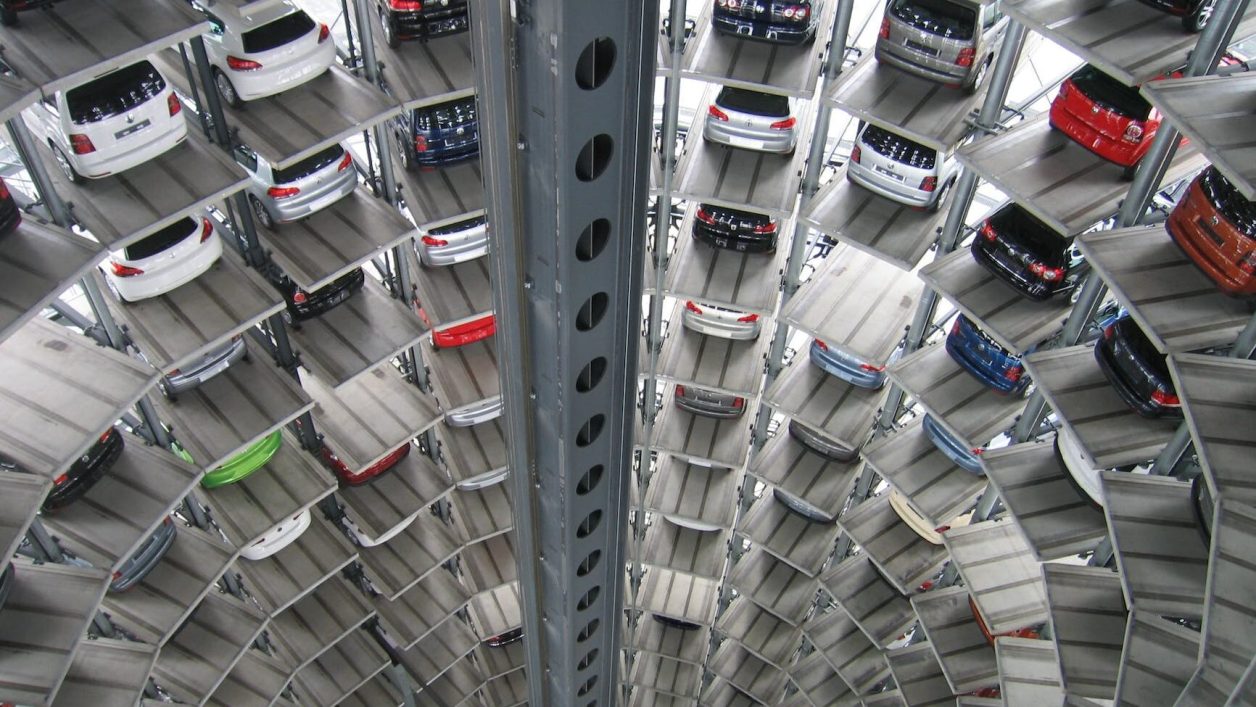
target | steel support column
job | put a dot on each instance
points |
(565, 92)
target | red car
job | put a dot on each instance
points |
(351, 478)
(1216, 227)
(465, 333)
(1109, 118)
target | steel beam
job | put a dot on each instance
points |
(565, 92)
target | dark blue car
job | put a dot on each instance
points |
(777, 21)
(984, 358)
(441, 134)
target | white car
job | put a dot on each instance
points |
(907, 513)
(156, 264)
(266, 52)
(364, 539)
(475, 413)
(720, 321)
(116, 121)
(278, 537)
(483, 481)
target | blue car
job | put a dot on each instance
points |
(955, 449)
(851, 369)
(436, 135)
(984, 358)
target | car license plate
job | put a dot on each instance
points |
(132, 129)
(888, 173)
(920, 48)
(338, 298)
(743, 142)
(323, 202)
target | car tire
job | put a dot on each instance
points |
(1195, 20)
(387, 32)
(226, 89)
(290, 320)
(940, 200)
(1127, 173)
(261, 214)
(67, 167)
(404, 155)
(980, 78)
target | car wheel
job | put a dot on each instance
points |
(290, 320)
(1197, 19)
(226, 89)
(261, 214)
(8, 16)
(940, 200)
(386, 31)
(403, 154)
(67, 167)
(980, 78)
(1127, 173)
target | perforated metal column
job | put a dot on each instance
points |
(565, 94)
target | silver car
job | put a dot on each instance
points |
(821, 444)
(475, 413)
(763, 122)
(453, 243)
(900, 169)
(300, 190)
(717, 321)
(709, 403)
(192, 375)
(949, 41)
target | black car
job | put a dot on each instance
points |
(302, 305)
(675, 623)
(10, 215)
(1201, 498)
(6, 583)
(1137, 371)
(734, 229)
(777, 21)
(10, 8)
(802, 508)
(505, 639)
(85, 471)
(1194, 13)
(420, 19)
(436, 135)
(821, 444)
(1027, 254)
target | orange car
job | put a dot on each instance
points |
(1216, 227)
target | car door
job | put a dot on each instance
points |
(45, 122)
(214, 40)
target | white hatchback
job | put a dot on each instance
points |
(114, 122)
(278, 537)
(266, 52)
(156, 264)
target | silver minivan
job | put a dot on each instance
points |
(900, 169)
(950, 41)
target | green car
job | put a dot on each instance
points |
(242, 464)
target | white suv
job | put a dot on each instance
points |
(113, 122)
(264, 53)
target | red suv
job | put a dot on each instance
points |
(1216, 227)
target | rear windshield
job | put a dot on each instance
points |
(1110, 93)
(1228, 200)
(458, 227)
(1142, 346)
(165, 238)
(765, 104)
(444, 115)
(277, 33)
(1027, 231)
(945, 19)
(899, 148)
(114, 93)
(725, 213)
(309, 165)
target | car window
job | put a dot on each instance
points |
(114, 93)
(1229, 201)
(991, 15)
(277, 33)
(899, 148)
(165, 238)
(1109, 93)
(943, 18)
(767, 104)
(309, 165)
(245, 157)
(216, 26)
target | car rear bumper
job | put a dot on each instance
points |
(710, 408)
(465, 333)
(97, 165)
(818, 443)
(475, 413)
(848, 368)
(288, 535)
(890, 188)
(308, 204)
(724, 132)
(148, 285)
(775, 32)
(430, 23)
(720, 327)
(899, 57)
(147, 560)
(1129, 392)
(1126, 154)
(205, 369)
(85, 472)
(740, 242)
(328, 297)
(1017, 278)
(991, 375)
(954, 449)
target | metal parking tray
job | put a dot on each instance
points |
(680, 596)
(936, 487)
(670, 677)
(964, 655)
(286, 576)
(440, 650)
(1029, 672)
(491, 563)
(918, 675)
(473, 451)
(15, 96)
(838, 409)
(1157, 660)
(463, 375)
(256, 677)
(693, 492)
(743, 670)
(817, 684)
(897, 234)
(712, 362)
(397, 496)
(773, 585)
(427, 72)
(199, 656)
(1088, 620)
(481, 514)
(1001, 572)
(107, 673)
(417, 612)
(765, 635)
(875, 605)
(748, 282)
(706, 439)
(1217, 398)
(439, 196)
(789, 466)
(321, 618)
(417, 551)
(38, 263)
(454, 294)
(657, 638)
(344, 668)
(904, 558)
(791, 538)
(847, 650)
(1211, 111)
(20, 498)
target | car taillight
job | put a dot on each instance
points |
(978, 451)
(282, 192)
(739, 402)
(420, 144)
(821, 345)
(173, 104)
(81, 144)
(988, 232)
(1109, 331)
(406, 4)
(871, 368)
(716, 113)
(104, 436)
(207, 229)
(855, 154)
(331, 458)
(705, 217)
(966, 56)
(1133, 133)
(885, 28)
(117, 574)
(1247, 263)
(680, 391)
(345, 162)
(1165, 398)
(434, 242)
(1045, 273)
(298, 297)
(955, 326)
(769, 227)
(784, 124)
(235, 63)
(173, 372)
(689, 305)
(124, 270)
(749, 318)
(323, 33)
(1014, 373)
(60, 480)
(941, 528)
(4, 190)
(929, 184)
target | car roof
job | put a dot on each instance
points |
(230, 13)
